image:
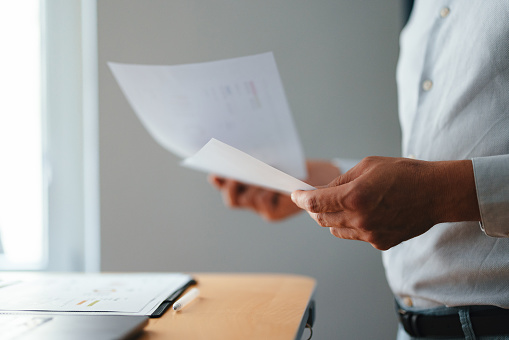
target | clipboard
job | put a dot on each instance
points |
(135, 294)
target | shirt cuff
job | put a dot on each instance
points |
(344, 164)
(492, 185)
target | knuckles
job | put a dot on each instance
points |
(310, 204)
(371, 160)
(364, 231)
(336, 232)
(320, 219)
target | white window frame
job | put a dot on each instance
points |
(70, 143)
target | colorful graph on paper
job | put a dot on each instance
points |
(136, 294)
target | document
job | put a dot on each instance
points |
(88, 294)
(239, 101)
(222, 159)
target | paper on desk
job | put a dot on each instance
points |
(240, 101)
(87, 294)
(224, 160)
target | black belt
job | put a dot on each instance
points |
(492, 321)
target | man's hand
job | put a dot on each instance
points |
(271, 205)
(385, 201)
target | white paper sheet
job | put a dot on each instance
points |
(240, 101)
(222, 159)
(87, 294)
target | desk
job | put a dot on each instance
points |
(240, 306)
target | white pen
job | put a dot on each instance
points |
(186, 299)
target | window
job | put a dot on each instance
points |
(49, 192)
(22, 227)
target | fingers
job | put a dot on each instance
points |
(272, 206)
(232, 192)
(216, 181)
(328, 220)
(344, 233)
(264, 202)
(338, 225)
(239, 195)
(321, 200)
(250, 197)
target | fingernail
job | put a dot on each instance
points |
(292, 196)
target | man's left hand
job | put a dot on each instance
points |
(385, 201)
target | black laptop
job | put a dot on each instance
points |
(75, 327)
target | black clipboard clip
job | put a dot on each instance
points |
(171, 299)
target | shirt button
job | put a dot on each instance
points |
(444, 12)
(408, 301)
(427, 85)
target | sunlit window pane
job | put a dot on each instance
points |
(21, 186)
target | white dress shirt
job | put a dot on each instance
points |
(453, 90)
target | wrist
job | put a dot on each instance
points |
(455, 194)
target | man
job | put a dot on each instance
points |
(441, 214)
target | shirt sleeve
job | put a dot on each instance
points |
(492, 185)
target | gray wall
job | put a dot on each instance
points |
(337, 60)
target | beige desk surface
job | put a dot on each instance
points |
(239, 306)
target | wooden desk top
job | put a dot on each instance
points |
(239, 306)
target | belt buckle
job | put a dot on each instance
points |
(409, 322)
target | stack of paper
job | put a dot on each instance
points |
(240, 102)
